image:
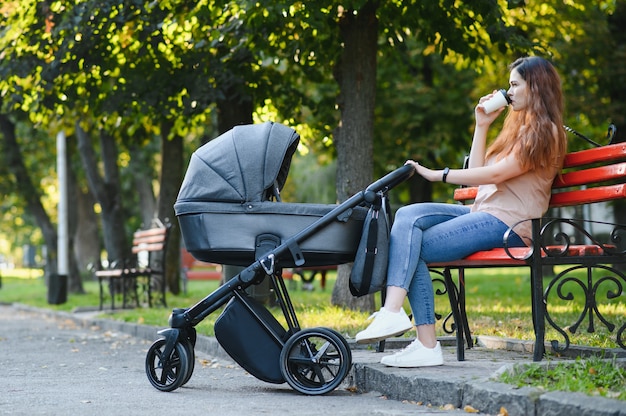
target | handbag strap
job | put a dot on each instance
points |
(371, 245)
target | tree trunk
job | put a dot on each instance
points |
(87, 243)
(30, 193)
(234, 109)
(356, 75)
(74, 279)
(170, 181)
(143, 174)
(106, 190)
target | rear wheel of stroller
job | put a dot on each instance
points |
(167, 373)
(315, 361)
(345, 342)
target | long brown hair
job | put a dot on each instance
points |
(535, 134)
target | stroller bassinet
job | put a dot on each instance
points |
(225, 202)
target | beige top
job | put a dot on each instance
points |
(523, 197)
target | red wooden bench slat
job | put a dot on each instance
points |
(597, 154)
(562, 199)
(148, 240)
(465, 194)
(587, 196)
(599, 174)
(496, 256)
(499, 257)
(147, 247)
(150, 232)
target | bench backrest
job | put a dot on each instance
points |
(588, 176)
(148, 242)
(153, 239)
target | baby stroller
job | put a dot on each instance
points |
(229, 211)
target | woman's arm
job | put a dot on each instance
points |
(483, 121)
(504, 169)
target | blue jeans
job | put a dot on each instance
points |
(435, 232)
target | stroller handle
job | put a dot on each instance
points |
(392, 179)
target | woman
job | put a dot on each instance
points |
(514, 177)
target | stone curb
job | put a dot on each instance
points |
(428, 387)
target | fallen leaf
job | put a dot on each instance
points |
(503, 412)
(449, 406)
(470, 409)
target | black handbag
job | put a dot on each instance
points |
(369, 270)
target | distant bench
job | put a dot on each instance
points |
(198, 270)
(307, 281)
(149, 248)
(193, 269)
(588, 176)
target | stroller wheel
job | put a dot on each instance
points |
(192, 360)
(345, 342)
(315, 360)
(167, 373)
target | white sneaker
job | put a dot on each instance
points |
(386, 324)
(415, 355)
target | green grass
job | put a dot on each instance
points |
(498, 304)
(593, 376)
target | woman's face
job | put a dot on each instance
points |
(518, 91)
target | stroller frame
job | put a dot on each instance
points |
(313, 361)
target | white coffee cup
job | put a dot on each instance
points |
(499, 100)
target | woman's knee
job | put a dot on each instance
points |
(412, 213)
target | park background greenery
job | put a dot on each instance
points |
(138, 86)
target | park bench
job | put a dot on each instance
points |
(131, 275)
(307, 281)
(560, 241)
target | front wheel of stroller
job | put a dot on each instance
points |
(315, 361)
(192, 360)
(167, 373)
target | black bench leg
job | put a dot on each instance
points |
(538, 311)
(381, 344)
(163, 293)
(462, 310)
(112, 291)
(457, 305)
(149, 289)
(136, 291)
(101, 293)
(124, 302)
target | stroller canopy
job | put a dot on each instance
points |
(242, 165)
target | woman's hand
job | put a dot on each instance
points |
(483, 119)
(428, 174)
